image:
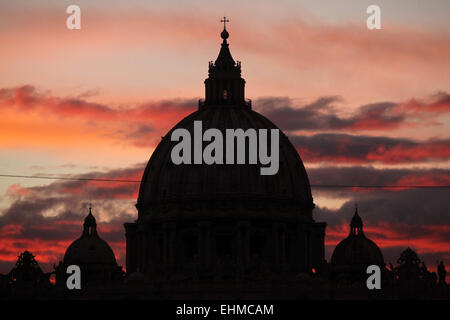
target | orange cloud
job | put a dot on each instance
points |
(33, 118)
(28, 98)
(315, 57)
(439, 104)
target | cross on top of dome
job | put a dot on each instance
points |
(224, 20)
(224, 35)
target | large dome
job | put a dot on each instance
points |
(164, 182)
(89, 249)
(223, 221)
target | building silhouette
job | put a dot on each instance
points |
(199, 222)
(225, 231)
(93, 255)
(354, 254)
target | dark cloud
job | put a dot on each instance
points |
(393, 218)
(417, 218)
(367, 175)
(412, 207)
(324, 114)
(142, 124)
(90, 189)
(354, 149)
(318, 114)
(46, 219)
(47, 226)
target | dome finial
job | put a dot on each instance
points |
(224, 33)
(224, 20)
(356, 224)
(90, 225)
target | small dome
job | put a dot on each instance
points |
(356, 249)
(90, 248)
(93, 250)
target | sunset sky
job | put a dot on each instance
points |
(362, 107)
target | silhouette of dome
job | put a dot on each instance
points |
(357, 249)
(93, 255)
(163, 182)
(205, 221)
(90, 248)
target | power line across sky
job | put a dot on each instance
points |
(331, 186)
